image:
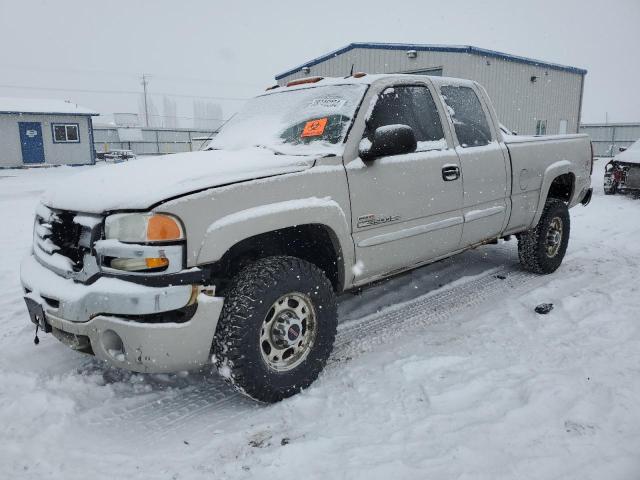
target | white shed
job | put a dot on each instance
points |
(44, 132)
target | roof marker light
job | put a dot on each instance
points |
(302, 81)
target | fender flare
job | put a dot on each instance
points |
(553, 171)
(231, 229)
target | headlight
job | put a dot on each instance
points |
(143, 228)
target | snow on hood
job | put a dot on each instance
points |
(138, 184)
(630, 155)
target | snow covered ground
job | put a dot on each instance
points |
(443, 373)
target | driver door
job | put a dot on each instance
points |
(406, 209)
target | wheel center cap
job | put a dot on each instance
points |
(293, 333)
(287, 330)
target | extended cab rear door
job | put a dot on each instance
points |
(484, 163)
(406, 209)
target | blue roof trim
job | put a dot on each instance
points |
(433, 48)
(51, 113)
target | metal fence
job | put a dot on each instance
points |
(608, 138)
(149, 141)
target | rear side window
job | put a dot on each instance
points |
(408, 105)
(469, 120)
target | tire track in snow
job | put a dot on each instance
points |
(212, 404)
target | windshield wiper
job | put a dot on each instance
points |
(278, 152)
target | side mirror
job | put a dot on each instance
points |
(389, 140)
(622, 149)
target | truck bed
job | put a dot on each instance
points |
(530, 157)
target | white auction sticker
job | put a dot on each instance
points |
(331, 103)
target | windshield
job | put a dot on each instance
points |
(298, 122)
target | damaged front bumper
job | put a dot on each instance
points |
(100, 318)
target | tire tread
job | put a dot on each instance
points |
(243, 295)
(529, 243)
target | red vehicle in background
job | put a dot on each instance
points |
(622, 173)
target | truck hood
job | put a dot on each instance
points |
(139, 184)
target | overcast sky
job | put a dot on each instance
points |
(207, 48)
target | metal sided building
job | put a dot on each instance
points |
(44, 132)
(531, 96)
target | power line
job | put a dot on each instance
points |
(119, 92)
(75, 70)
(181, 116)
(211, 81)
(207, 80)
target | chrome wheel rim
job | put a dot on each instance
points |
(288, 332)
(554, 237)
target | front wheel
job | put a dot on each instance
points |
(542, 248)
(277, 328)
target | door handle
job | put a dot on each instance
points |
(450, 173)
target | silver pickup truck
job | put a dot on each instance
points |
(235, 255)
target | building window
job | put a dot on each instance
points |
(65, 133)
(541, 127)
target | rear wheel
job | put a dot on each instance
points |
(542, 248)
(276, 329)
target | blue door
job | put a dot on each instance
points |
(31, 142)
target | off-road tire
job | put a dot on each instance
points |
(532, 244)
(248, 300)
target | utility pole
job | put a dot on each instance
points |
(146, 106)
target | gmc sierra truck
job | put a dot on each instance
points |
(234, 255)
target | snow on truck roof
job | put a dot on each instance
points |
(360, 78)
(468, 49)
(40, 105)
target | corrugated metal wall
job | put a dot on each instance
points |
(519, 102)
(608, 138)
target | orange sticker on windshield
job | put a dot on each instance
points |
(314, 128)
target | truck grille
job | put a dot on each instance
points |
(61, 239)
(65, 234)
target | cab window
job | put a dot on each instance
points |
(469, 120)
(408, 105)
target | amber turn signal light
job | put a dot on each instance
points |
(302, 81)
(156, 262)
(163, 228)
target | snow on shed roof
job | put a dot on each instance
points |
(42, 105)
(432, 48)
